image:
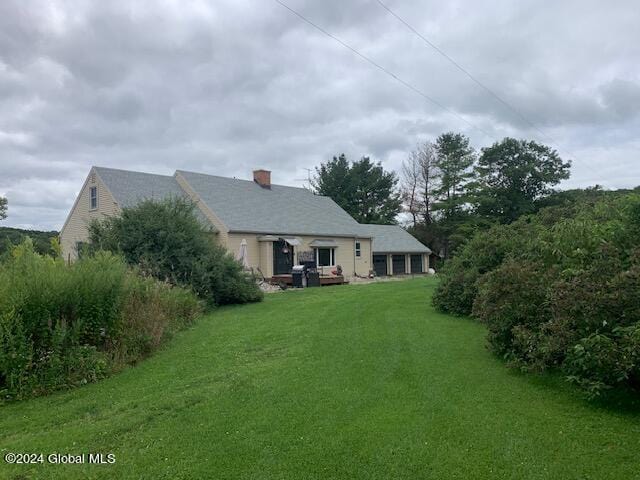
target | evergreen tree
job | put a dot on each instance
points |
(455, 159)
(363, 188)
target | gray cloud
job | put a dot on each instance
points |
(223, 87)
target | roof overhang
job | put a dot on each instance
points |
(318, 243)
(293, 241)
(265, 235)
(400, 252)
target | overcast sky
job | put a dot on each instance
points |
(224, 87)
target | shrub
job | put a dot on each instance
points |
(558, 289)
(217, 276)
(166, 240)
(480, 255)
(600, 361)
(151, 313)
(512, 301)
(62, 326)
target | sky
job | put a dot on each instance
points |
(229, 86)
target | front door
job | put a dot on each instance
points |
(282, 257)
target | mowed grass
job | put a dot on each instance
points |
(350, 382)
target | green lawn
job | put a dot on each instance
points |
(347, 382)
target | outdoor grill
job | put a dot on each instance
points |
(299, 276)
(305, 275)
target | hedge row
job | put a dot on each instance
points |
(560, 289)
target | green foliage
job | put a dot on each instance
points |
(454, 160)
(151, 313)
(356, 382)
(512, 175)
(166, 240)
(480, 255)
(63, 326)
(363, 189)
(14, 236)
(468, 194)
(599, 361)
(558, 289)
(512, 301)
(3, 208)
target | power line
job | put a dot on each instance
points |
(468, 74)
(385, 70)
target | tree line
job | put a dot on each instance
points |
(447, 189)
(452, 191)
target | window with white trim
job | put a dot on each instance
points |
(326, 257)
(358, 250)
(93, 198)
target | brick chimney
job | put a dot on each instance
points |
(262, 178)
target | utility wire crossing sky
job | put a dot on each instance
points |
(229, 86)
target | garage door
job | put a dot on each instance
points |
(398, 264)
(380, 265)
(416, 263)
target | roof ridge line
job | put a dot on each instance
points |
(131, 171)
(243, 180)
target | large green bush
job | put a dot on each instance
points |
(62, 326)
(483, 253)
(558, 289)
(166, 240)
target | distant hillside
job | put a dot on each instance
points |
(41, 240)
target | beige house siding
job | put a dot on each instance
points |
(253, 248)
(364, 263)
(75, 228)
(260, 253)
(345, 254)
(223, 231)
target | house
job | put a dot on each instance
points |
(282, 226)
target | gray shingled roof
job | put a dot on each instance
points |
(394, 239)
(130, 188)
(245, 206)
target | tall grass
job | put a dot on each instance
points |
(63, 326)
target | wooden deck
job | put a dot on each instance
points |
(324, 280)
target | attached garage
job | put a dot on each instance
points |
(380, 265)
(398, 263)
(395, 251)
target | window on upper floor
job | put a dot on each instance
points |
(358, 250)
(93, 198)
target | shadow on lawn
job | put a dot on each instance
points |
(616, 401)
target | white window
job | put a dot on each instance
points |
(358, 251)
(326, 257)
(93, 198)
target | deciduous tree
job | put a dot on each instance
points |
(513, 175)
